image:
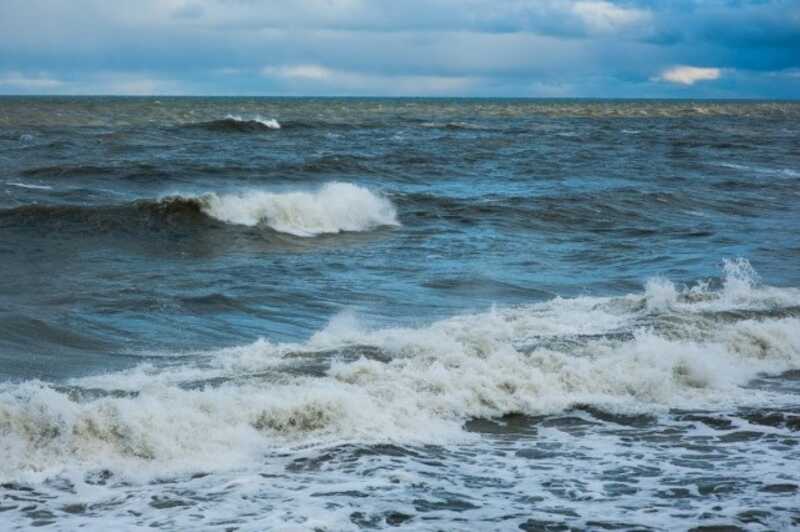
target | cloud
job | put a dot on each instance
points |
(601, 48)
(689, 75)
(128, 84)
(20, 81)
(321, 79)
(545, 17)
(605, 17)
(302, 72)
(114, 83)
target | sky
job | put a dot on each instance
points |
(504, 48)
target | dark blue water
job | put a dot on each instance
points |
(347, 291)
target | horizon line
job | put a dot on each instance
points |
(408, 97)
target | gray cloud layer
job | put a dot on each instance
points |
(711, 48)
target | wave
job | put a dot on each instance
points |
(133, 172)
(327, 165)
(669, 347)
(454, 126)
(620, 207)
(148, 214)
(237, 124)
(29, 186)
(69, 170)
(784, 172)
(333, 208)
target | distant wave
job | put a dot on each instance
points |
(29, 186)
(333, 208)
(453, 125)
(329, 164)
(668, 347)
(70, 170)
(106, 219)
(237, 124)
(578, 210)
(782, 172)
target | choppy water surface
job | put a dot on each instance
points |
(345, 314)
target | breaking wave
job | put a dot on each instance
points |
(667, 348)
(334, 208)
(237, 124)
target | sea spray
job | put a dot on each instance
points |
(350, 383)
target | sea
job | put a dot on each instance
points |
(346, 314)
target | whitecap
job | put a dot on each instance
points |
(333, 208)
(642, 353)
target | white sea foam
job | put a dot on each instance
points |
(740, 290)
(334, 208)
(641, 353)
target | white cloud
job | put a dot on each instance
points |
(315, 77)
(106, 83)
(307, 72)
(689, 75)
(605, 17)
(116, 83)
(17, 80)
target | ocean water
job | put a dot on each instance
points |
(369, 314)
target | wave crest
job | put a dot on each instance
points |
(238, 124)
(334, 208)
(410, 385)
